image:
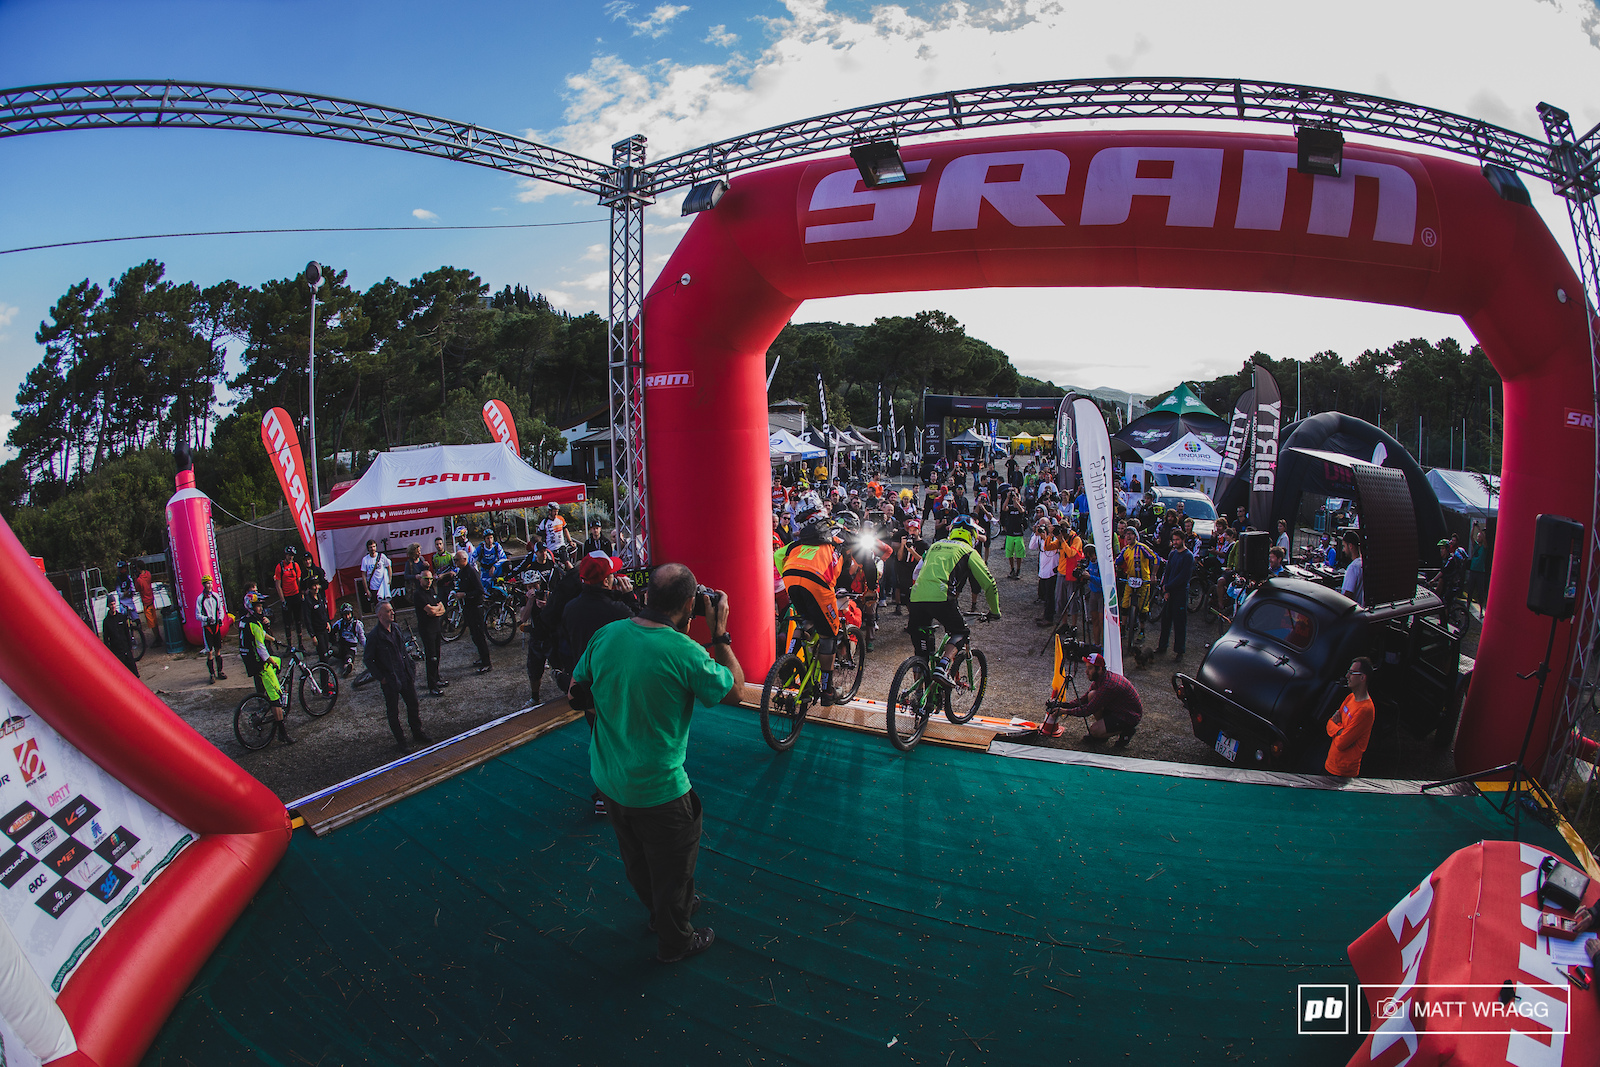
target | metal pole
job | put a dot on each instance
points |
(314, 280)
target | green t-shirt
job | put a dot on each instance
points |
(646, 682)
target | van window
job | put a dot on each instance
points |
(1283, 624)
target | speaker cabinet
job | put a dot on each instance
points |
(1553, 578)
(1253, 548)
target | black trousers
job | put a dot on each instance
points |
(920, 625)
(430, 635)
(1175, 620)
(659, 848)
(392, 695)
(294, 613)
(1047, 594)
(538, 651)
(480, 632)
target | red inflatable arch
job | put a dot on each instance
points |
(123, 990)
(1161, 209)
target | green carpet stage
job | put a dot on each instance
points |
(946, 907)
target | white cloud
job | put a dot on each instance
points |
(7, 313)
(719, 36)
(654, 24)
(424, 214)
(1492, 59)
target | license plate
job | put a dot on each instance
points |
(1227, 748)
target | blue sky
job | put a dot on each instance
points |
(582, 75)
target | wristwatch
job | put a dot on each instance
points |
(724, 638)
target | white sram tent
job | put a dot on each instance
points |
(406, 495)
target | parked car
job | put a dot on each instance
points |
(1266, 688)
(1196, 506)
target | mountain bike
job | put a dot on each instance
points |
(501, 610)
(256, 720)
(918, 690)
(136, 638)
(455, 617)
(795, 682)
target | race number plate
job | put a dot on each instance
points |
(1227, 748)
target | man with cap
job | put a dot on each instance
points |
(596, 541)
(386, 657)
(212, 612)
(430, 626)
(604, 597)
(314, 603)
(286, 575)
(348, 637)
(1111, 705)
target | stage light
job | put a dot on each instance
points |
(1507, 184)
(704, 196)
(879, 163)
(1321, 151)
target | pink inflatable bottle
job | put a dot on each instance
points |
(193, 543)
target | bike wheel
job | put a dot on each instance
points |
(971, 674)
(1456, 614)
(319, 690)
(783, 703)
(503, 625)
(850, 665)
(455, 622)
(909, 696)
(1197, 596)
(255, 723)
(136, 642)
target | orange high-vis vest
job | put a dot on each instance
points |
(812, 567)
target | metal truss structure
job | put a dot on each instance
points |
(133, 104)
(629, 184)
(625, 352)
(1579, 711)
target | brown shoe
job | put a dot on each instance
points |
(702, 939)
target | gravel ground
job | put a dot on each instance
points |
(355, 737)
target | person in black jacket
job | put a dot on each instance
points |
(114, 632)
(544, 622)
(1175, 579)
(469, 585)
(603, 598)
(390, 664)
(430, 626)
(315, 597)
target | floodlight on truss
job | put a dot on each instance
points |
(1321, 151)
(879, 163)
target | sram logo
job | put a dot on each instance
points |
(660, 381)
(1015, 185)
(447, 476)
(1580, 420)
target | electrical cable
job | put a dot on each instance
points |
(301, 229)
(247, 522)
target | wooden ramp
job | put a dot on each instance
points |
(346, 802)
(342, 804)
(867, 716)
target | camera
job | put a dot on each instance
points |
(704, 598)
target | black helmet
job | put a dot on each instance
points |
(288, 550)
(346, 609)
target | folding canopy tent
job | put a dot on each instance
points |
(1187, 455)
(785, 447)
(1466, 492)
(1181, 413)
(406, 496)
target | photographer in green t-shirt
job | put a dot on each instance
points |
(643, 676)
